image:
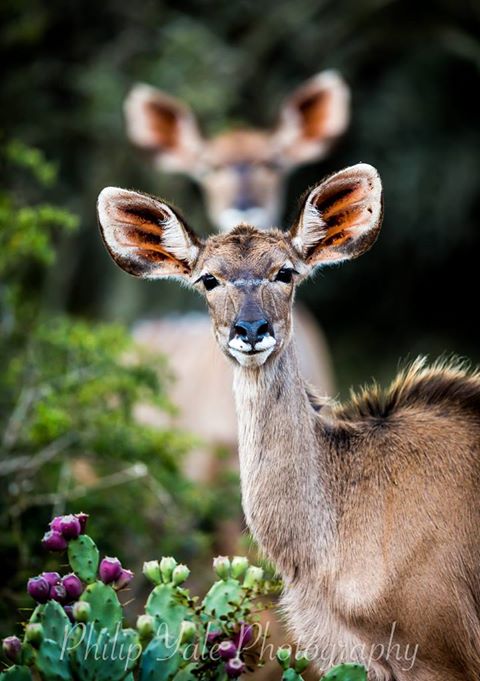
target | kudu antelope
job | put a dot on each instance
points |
(370, 510)
(242, 175)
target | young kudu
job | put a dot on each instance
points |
(242, 175)
(370, 511)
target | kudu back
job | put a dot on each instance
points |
(242, 174)
(369, 510)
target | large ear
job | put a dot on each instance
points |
(340, 218)
(312, 118)
(144, 236)
(161, 124)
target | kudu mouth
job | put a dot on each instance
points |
(251, 341)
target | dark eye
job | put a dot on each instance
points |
(285, 275)
(209, 281)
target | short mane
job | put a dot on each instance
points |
(446, 382)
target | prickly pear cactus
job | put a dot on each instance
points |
(76, 630)
(105, 609)
(16, 673)
(83, 557)
(346, 672)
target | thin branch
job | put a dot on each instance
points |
(31, 463)
(135, 472)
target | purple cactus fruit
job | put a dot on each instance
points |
(110, 569)
(73, 586)
(234, 667)
(54, 541)
(213, 635)
(69, 613)
(82, 519)
(227, 650)
(51, 577)
(12, 647)
(70, 526)
(244, 635)
(39, 589)
(55, 524)
(124, 580)
(58, 593)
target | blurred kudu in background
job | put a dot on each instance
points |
(242, 174)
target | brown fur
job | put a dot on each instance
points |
(370, 511)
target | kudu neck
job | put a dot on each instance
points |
(284, 483)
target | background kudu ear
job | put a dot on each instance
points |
(164, 126)
(144, 236)
(341, 217)
(312, 118)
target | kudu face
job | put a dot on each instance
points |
(248, 276)
(241, 172)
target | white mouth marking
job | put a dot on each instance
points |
(248, 356)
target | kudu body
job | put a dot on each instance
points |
(370, 511)
(242, 174)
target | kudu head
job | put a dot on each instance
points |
(248, 276)
(241, 171)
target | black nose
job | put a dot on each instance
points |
(252, 332)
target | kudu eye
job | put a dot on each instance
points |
(285, 275)
(209, 281)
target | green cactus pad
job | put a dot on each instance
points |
(50, 662)
(291, 675)
(223, 598)
(16, 673)
(54, 621)
(106, 609)
(83, 557)
(346, 672)
(163, 604)
(160, 661)
(104, 656)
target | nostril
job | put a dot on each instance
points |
(263, 330)
(240, 331)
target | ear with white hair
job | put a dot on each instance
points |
(313, 118)
(145, 236)
(340, 218)
(164, 126)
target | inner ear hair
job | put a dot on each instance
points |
(145, 236)
(341, 217)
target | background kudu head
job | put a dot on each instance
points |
(248, 276)
(241, 171)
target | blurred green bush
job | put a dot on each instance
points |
(68, 391)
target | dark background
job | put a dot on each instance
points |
(413, 69)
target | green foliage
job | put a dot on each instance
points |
(177, 646)
(69, 390)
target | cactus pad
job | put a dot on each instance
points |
(164, 604)
(223, 598)
(106, 611)
(346, 672)
(83, 557)
(16, 673)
